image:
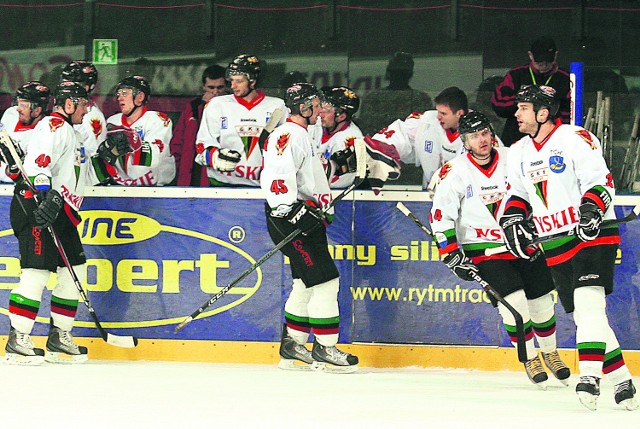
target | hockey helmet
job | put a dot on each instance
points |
(245, 64)
(68, 89)
(472, 122)
(82, 72)
(541, 96)
(136, 84)
(35, 92)
(300, 93)
(342, 99)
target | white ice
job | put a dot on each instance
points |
(167, 395)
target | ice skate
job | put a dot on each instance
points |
(21, 351)
(624, 395)
(536, 372)
(588, 390)
(293, 356)
(62, 349)
(556, 366)
(330, 359)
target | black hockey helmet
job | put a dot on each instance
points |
(541, 96)
(82, 72)
(472, 122)
(68, 89)
(136, 84)
(342, 99)
(245, 64)
(36, 93)
(300, 93)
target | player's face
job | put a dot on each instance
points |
(213, 88)
(25, 114)
(127, 101)
(328, 116)
(80, 110)
(240, 85)
(479, 143)
(526, 117)
(447, 117)
(316, 105)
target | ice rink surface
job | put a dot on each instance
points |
(167, 395)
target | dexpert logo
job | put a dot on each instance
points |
(141, 273)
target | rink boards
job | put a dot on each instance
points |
(157, 254)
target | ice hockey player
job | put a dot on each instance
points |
(291, 180)
(467, 203)
(557, 174)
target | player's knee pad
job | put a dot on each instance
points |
(298, 298)
(66, 287)
(32, 283)
(324, 299)
(590, 314)
(541, 309)
(518, 301)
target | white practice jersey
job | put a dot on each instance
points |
(468, 201)
(152, 164)
(553, 176)
(230, 122)
(332, 143)
(20, 134)
(292, 171)
(93, 129)
(56, 158)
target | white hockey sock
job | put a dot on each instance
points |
(324, 315)
(518, 301)
(543, 319)
(592, 326)
(24, 302)
(296, 313)
(65, 296)
(614, 367)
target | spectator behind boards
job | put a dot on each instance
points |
(188, 172)
(542, 69)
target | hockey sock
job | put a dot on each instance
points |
(518, 301)
(592, 325)
(64, 299)
(324, 316)
(543, 319)
(296, 315)
(24, 301)
(614, 367)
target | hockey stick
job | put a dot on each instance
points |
(114, 340)
(361, 173)
(625, 170)
(271, 125)
(605, 223)
(520, 335)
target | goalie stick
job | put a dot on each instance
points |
(520, 335)
(114, 340)
(272, 123)
(361, 173)
(605, 223)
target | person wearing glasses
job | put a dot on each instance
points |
(189, 173)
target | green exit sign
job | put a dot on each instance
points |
(105, 51)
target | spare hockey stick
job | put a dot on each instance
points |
(114, 340)
(272, 123)
(605, 223)
(361, 173)
(520, 335)
(633, 139)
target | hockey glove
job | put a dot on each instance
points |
(345, 161)
(12, 170)
(383, 163)
(221, 159)
(518, 233)
(590, 219)
(305, 216)
(48, 210)
(118, 143)
(461, 265)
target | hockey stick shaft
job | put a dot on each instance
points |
(361, 172)
(605, 223)
(520, 334)
(624, 171)
(114, 340)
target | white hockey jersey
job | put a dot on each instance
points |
(554, 175)
(231, 122)
(93, 129)
(152, 164)
(20, 134)
(291, 170)
(468, 201)
(332, 143)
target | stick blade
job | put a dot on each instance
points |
(403, 208)
(126, 342)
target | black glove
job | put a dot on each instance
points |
(117, 144)
(461, 265)
(519, 234)
(8, 158)
(590, 219)
(305, 217)
(48, 210)
(345, 161)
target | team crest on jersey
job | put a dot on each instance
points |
(349, 141)
(587, 137)
(414, 115)
(96, 127)
(224, 122)
(250, 134)
(165, 119)
(428, 146)
(55, 123)
(539, 179)
(444, 171)
(282, 143)
(556, 164)
(492, 202)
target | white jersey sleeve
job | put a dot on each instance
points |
(93, 129)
